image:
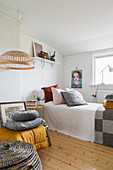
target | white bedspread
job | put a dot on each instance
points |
(76, 121)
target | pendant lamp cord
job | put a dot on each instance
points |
(19, 15)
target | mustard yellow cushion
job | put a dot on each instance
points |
(35, 136)
(108, 104)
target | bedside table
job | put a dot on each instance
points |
(32, 105)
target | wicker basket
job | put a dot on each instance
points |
(18, 155)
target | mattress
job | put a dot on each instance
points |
(77, 121)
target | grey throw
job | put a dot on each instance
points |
(104, 126)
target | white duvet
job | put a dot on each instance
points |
(76, 121)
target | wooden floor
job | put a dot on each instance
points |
(68, 153)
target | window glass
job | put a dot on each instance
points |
(100, 64)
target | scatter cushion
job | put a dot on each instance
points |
(77, 93)
(24, 115)
(48, 93)
(13, 125)
(57, 97)
(109, 97)
(69, 89)
(108, 104)
(72, 99)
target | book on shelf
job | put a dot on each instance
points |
(31, 103)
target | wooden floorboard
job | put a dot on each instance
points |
(68, 153)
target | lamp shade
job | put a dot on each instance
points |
(16, 60)
(110, 69)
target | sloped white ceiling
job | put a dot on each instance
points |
(71, 26)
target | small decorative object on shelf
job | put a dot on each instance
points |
(52, 58)
(44, 55)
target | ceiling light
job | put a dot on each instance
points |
(16, 60)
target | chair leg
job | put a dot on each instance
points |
(48, 136)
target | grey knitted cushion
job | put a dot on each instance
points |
(24, 115)
(72, 99)
(12, 125)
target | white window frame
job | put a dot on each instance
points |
(102, 55)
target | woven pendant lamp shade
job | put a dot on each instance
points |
(17, 60)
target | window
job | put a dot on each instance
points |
(103, 69)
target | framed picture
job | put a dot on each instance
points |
(76, 79)
(37, 49)
(8, 108)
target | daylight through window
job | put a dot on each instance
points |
(101, 63)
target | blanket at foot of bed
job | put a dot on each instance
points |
(104, 126)
(35, 136)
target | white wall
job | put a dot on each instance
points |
(9, 79)
(83, 61)
(33, 80)
(19, 85)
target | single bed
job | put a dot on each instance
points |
(77, 121)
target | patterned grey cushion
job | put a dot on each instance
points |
(12, 125)
(25, 115)
(109, 97)
(72, 99)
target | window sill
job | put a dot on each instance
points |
(103, 86)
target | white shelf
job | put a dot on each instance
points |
(44, 60)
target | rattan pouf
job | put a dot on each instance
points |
(18, 155)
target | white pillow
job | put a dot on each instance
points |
(77, 93)
(57, 97)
